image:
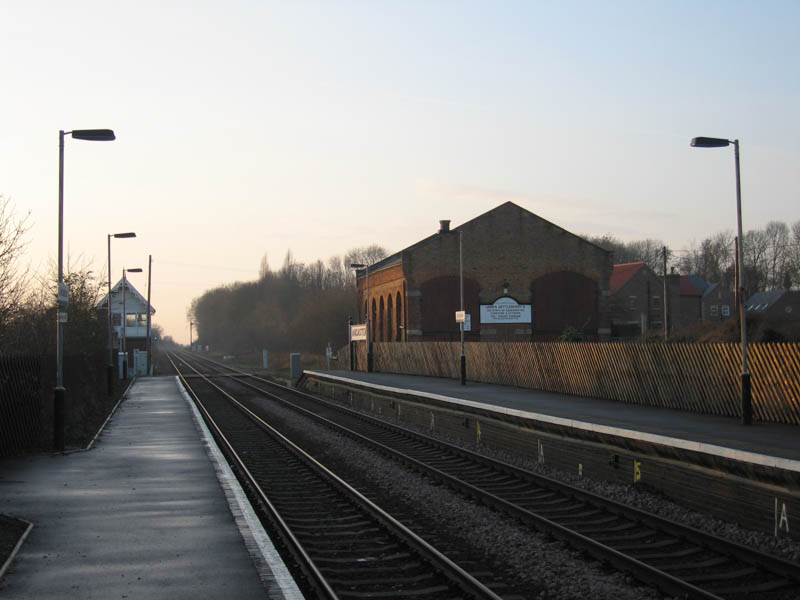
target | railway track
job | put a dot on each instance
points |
(680, 560)
(344, 545)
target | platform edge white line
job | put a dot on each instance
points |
(777, 462)
(280, 574)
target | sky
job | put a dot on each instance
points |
(247, 128)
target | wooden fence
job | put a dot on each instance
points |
(702, 378)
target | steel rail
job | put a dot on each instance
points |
(667, 582)
(307, 566)
(450, 569)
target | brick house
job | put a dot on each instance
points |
(718, 302)
(524, 278)
(775, 305)
(637, 300)
(689, 310)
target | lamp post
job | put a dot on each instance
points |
(461, 286)
(125, 319)
(110, 369)
(369, 341)
(93, 135)
(707, 142)
(191, 324)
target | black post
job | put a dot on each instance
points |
(58, 419)
(351, 344)
(747, 405)
(463, 369)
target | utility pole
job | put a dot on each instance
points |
(149, 346)
(666, 311)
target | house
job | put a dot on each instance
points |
(637, 300)
(689, 310)
(719, 303)
(524, 278)
(776, 305)
(136, 309)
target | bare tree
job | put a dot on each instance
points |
(13, 276)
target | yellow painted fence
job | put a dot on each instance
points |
(694, 377)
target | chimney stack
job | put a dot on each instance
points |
(444, 225)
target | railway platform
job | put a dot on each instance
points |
(750, 474)
(149, 512)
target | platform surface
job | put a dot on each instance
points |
(725, 436)
(140, 515)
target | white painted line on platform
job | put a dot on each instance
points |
(722, 451)
(249, 525)
(17, 547)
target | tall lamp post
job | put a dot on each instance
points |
(369, 341)
(191, 324)
(461, 290)
(92, 135)
(125, 319)
(708, 142)
(110, 369)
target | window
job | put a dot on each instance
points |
(714, 310)
(632, 302)
(656, 325)
(130, 320)
(726, 310)
(116, 319)
(655, 302)
(142, 320)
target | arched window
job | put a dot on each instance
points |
(373, 320)
(398, 319)
(381, 322)
(389, 319)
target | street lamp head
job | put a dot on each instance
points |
(357, 265)
(134, 270)
(709, 142)
(93, 135)
(129, 234)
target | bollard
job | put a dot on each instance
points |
(295, 366)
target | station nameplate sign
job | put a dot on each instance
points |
(358, 332)
(505, 310)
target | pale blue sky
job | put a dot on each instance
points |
(253, 127)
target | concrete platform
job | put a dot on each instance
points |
(141, 515)
(750, 474)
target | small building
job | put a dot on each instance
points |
(637, 301)
(719, 303)
(524, 279)
(776, 305)
(689, 310)
(136, 309)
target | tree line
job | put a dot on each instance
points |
(771, 256)
(298, 308)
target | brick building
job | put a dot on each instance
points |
(777, 305)
(524, 278)
(719, 303)
(637, 300)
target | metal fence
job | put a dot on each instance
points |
(702, 378)
(20, 403)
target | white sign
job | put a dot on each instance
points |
(505, 310)
(468, 322)
(63, 295)
(62, 317)
(358, 332)
(460, 316)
